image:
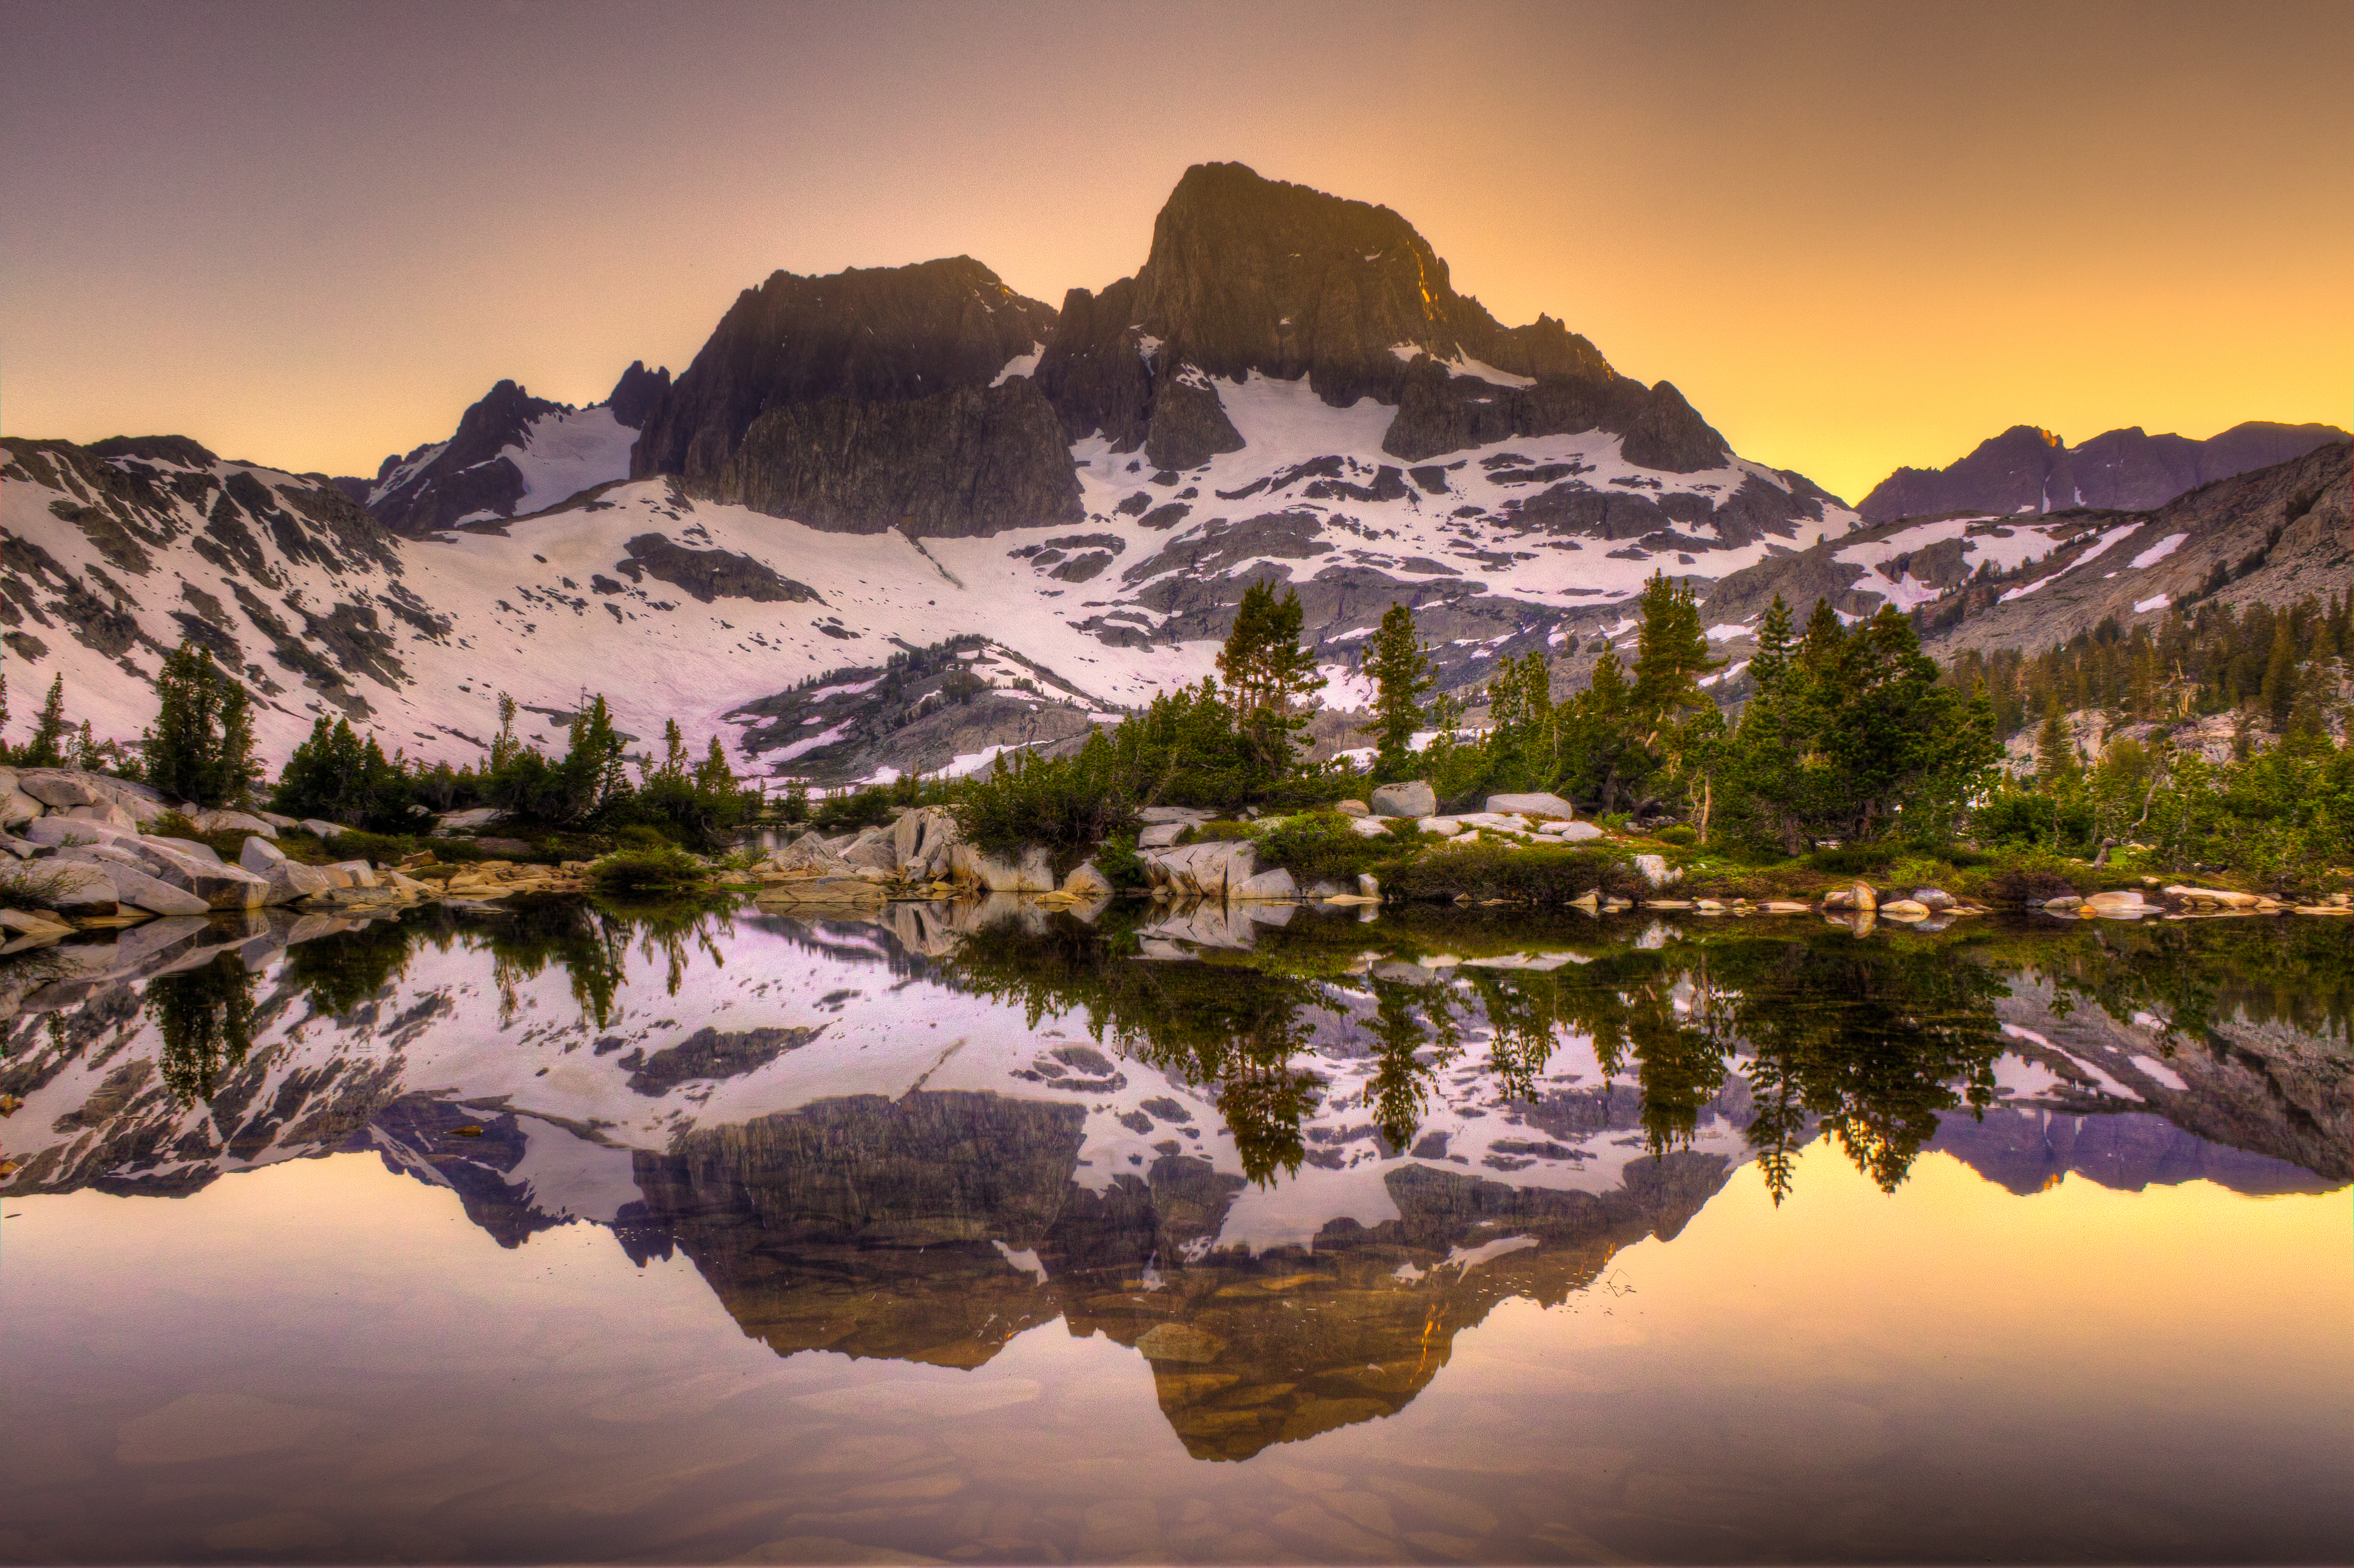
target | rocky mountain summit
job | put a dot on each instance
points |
(1249, 275)
(2029, 470)
(512, 453)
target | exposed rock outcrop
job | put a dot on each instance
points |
(967, 461)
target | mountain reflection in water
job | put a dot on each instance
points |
(1285, 1161)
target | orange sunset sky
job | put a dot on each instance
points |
(1855, 235)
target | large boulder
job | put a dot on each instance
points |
(259, 854)
(809, 854)
(154, 894)
(291, 880)
(80, 891)
(59, 791)
(921, 842)
(1414, 797)
(220, 887)
(873, 848)
(1272, 885)
(104, 811)
(1028, 872)
(1159, 835)
(231, 822)
(1201, 871)
(1657, 872)
(17, 808)
(1086, 882)
(55, 831)
(1539, 804)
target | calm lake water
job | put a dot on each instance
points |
(978, 1235)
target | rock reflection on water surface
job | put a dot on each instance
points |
(1284, 1164)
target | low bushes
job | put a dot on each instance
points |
(648, 874)
(1321, 846)
(1535, 875)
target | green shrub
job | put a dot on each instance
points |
(1116, 858)
(667, 872)
(1321, 846)
(36, 885)
(2018, 879)
(1069, 804)
(641, 837)
(1485, 871)
(1853, 860)
(1224, 830)
(868, 807)
(1681, 835)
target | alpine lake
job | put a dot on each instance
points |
(980, 1232)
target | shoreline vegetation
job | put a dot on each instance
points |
(1857, 779)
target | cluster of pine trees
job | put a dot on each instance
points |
(2281, 667)
(199, 749)
(336, 775)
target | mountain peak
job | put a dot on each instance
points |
(1249, 275)
(2029, 469)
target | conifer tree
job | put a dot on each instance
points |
(1263, 664)
(47, 748)
(2277, 696)
(1400, 668)
(201, 747)
(2055, 753)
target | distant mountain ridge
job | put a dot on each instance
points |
(2029, 470)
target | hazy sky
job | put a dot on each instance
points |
(1854, 235)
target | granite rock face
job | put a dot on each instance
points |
(2029, 470)
(852, 401)
(967, 461)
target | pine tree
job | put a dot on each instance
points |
(1400, 668)
(675, 751)
(1670, 654)
(2055, 754)
(201, 747)
(2277, 694)
(47, 748)
(591, 779)
(1771, 663)
(1263, 664)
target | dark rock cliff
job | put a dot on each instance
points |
(468, 475)
(2029, 470)
(863, 398)
(963, 462)
(1250, 274)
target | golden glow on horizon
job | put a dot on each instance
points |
(1854, 236)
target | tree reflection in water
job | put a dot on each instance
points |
(206, 1017)
(1869, 1040)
